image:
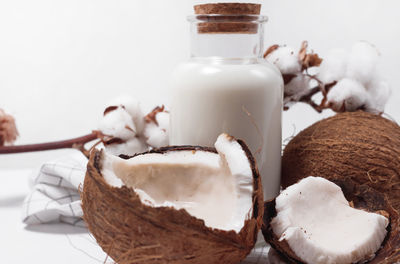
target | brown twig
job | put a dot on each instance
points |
(77, 143)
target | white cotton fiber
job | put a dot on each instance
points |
(297, 86)
(132, 106)
(285, 59)
(362, 63)
(157, 134)
(333, 66)
(379, 91)
(118, 123)
(347, 93)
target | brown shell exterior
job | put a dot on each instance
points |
(362, 197)
(360, 146)
(131, 232)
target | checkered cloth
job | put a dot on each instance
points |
(55, 198)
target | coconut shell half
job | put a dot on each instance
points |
(362, 197)
(132, 232)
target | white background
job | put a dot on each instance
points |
(60, 61)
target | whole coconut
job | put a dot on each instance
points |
(360, 146)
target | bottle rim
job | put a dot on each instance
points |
(219, 18)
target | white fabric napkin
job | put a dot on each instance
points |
(55, 198)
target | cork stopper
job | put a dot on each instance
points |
(228, 9)
(234, 18)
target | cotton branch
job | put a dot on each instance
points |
(76, 143)
(347, 81)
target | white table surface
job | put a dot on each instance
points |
(49, 243)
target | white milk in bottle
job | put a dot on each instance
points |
(227, 86)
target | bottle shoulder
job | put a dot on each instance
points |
(191, 75)
(258, 68)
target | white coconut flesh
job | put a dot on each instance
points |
(214, 187)
(320, 226)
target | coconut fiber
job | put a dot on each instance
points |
(131, 232)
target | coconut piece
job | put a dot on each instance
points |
(361, 197)
(175, 204)
(357, 147)
(316, 221)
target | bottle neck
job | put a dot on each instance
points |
(219, 39)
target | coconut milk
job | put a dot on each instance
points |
(227, 86)
(242, 97)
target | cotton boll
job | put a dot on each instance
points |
(118, 123)
(297, 86)
(130, 147)
(163, 120)
(156, 130)
(156, 136)
(285, 59)
(8, 129)
(347, 95)
(379, 91)
(334, 66)
(132, 106)
(362, 62)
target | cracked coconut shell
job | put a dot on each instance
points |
(361, 197)
(131, 231)
(360, 148)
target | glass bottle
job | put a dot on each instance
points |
(227, 86)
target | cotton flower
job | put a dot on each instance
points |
(117, 122)
(156, 129)
(123, 125)
(285, 59)
(379, 91)
(133, 108)
(127, 131)
(348, 81)
(297, 86)
(362, 62)
(333, 67)
(355, 70)
(8, 129)
(347, 95)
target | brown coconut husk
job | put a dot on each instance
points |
(131, 232)
(232, 18)
(360, 146)
(361, 197)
